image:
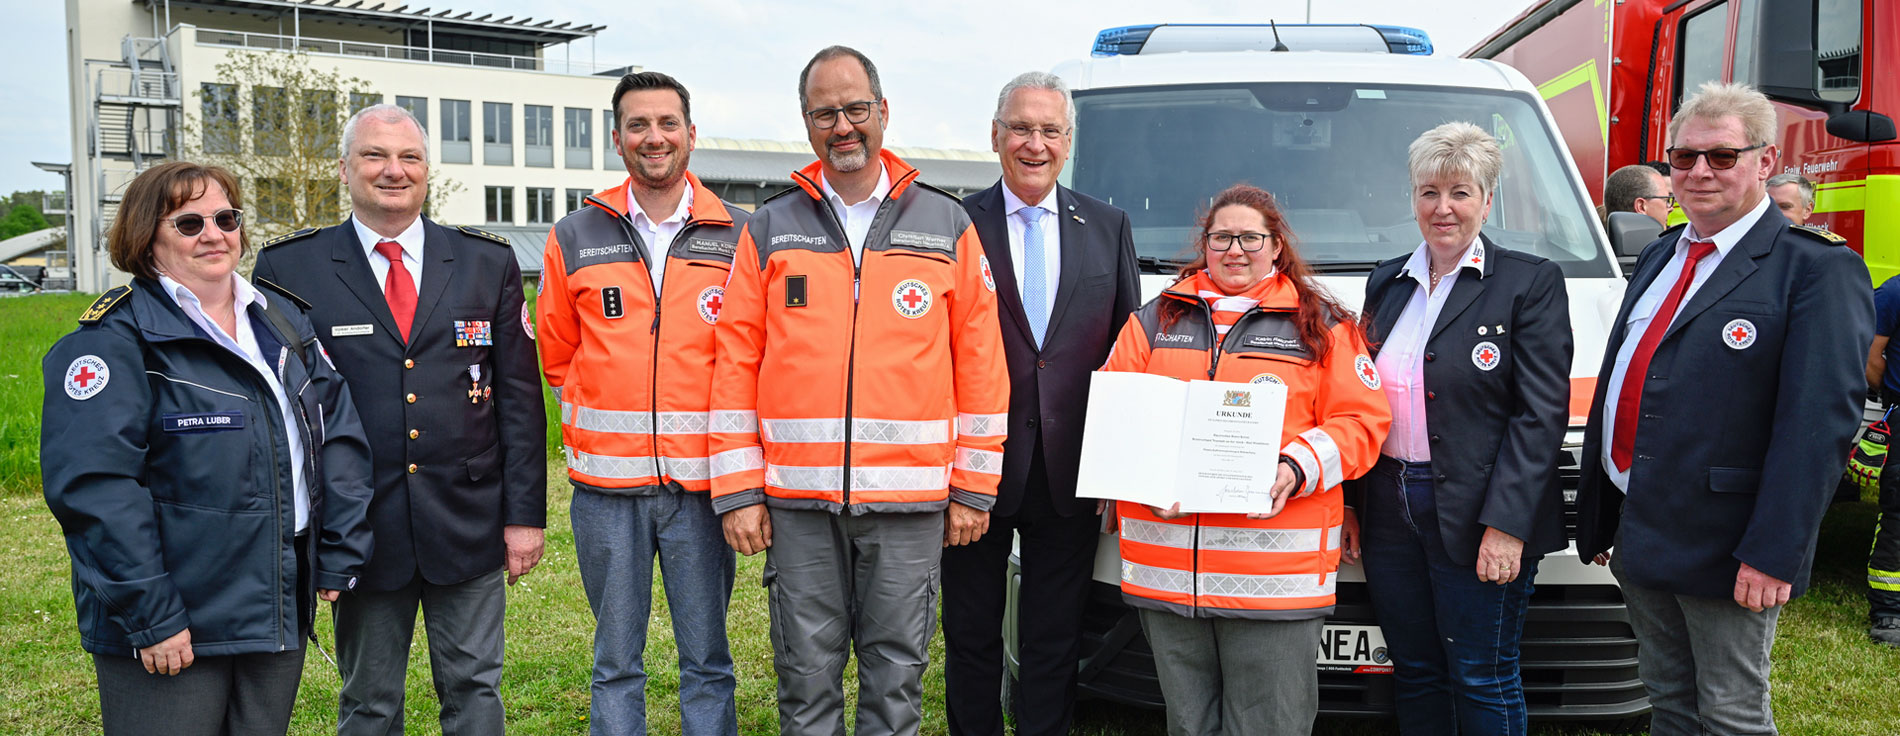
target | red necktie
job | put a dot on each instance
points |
(398, 287)
(1630, 401)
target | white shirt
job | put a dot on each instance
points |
(1645, 309)
(659, 235)
(244, 345)
(411, 241)
(1051, 244)
(857, 217)
(1401, 360)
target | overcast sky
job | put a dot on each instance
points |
(942, 61)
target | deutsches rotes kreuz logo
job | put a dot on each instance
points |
(86, 377)
(1739, 334)
(911, 298)
(989, 278)
(1368, 374)
(710, 301)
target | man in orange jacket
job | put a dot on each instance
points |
(634, 281)
(859, 404)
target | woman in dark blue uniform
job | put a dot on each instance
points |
(207, 467)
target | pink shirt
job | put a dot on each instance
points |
(1401, 360)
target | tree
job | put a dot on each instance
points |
(21, 220)
(276, 122)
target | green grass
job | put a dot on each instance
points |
(1828, 678)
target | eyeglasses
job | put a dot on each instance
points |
(228, 220)
(1022, 131)
(856, 112)
(1719, 158)
(1249, 242)
(1669, 199)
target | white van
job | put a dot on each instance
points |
(1165, 123)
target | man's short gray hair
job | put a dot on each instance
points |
(1037, 80)
(1717, 100)
(383, 112)
(1457, 150)
(1800, 183)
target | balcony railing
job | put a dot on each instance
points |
(240, 39)
(137, 86)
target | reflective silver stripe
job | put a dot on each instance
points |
(1265, 586)
(831, 478)
(900, 432)
(1158, 578)
(1309, 465)
(557, 397)
(1241, 539)
(982, 425)
(1328, 452)
(687, 468)
(738, 421)
(802, 430)
(609, 466)
(683, 422)
(1178, 536)
(606, 420)
(1332, 538)
(979, 461)
(803, 478)
(738, 461)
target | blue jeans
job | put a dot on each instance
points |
(1452, 637)
(615, 541)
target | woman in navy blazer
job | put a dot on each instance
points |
(1472, 342)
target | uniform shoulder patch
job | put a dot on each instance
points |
(1824, 234)
(290, 236)
(484, 234)
(104, 304)
(279, 289)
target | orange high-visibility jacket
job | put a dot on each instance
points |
(1227, 565)
(633, 369)
(892, 397)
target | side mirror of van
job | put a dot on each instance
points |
(1861, 126)
(1629, 232)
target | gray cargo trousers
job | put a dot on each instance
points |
(839, 583)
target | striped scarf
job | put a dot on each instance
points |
(1229, 308)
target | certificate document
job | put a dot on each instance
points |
(1211, 446)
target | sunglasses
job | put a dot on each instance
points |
(228, 220)
(1719, 158)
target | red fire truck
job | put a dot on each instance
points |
(1613, 72)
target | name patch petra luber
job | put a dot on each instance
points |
(715, 247)
(926, 241)
(216, 421)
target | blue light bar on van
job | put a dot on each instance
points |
(1160, 38)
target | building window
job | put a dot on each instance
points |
(540, 206)
(501, 205)
(417, 106)
(322, 122)
(608, 159)
(220, 112)
(537, 129)
(455, 133)
(498, 134)
(274, 201)
(360, 100)
(270, 121)
(580, 138)
(576, 199)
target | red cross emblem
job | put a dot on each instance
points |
(1368, 374)
(911, 298)
(84, 376)
(1739, 334)
(989, 278)
(1485, 356)
(711, 300)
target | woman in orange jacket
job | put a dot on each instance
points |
(1233, 604)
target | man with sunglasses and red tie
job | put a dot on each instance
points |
(1731, 389)
(428, 325)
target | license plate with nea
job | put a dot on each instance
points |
(1353, 648)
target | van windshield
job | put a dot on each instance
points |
(1335, 157)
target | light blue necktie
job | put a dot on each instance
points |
(1035, 282)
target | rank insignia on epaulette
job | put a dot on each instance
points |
(484, 234)
(289, 236)
(1821, 232)
(104, 304)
